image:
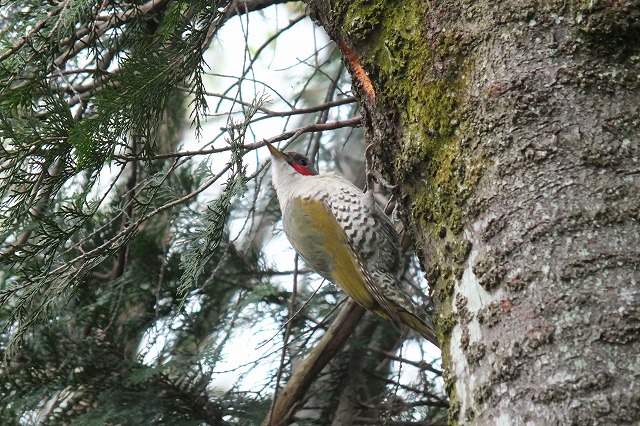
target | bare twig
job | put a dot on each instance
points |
(419, 364)
(287, 333)
(295, 315)
(350, 122)
(240, 7)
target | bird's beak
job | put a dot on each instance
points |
(275, 152)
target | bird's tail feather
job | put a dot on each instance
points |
(426, 329)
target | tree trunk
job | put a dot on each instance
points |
(512, 130)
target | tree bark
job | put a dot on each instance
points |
(512, 131)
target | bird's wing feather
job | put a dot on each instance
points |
(322, 243)
(325, 247)
(385, 308)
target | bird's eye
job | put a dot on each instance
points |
(303, 162)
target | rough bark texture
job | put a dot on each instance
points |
(512, 129)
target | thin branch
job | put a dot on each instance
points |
(13, 49)
(87, 35)
(133, 226)
(422, 365)
(249, 67)
(328, 346)
(295, 315)
(293, 134)
(436, 400)
(271, 113)
(314, 146)
(241, 7)
(287, 333)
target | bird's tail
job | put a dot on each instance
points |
(425, 328)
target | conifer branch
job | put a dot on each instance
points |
(27, 37)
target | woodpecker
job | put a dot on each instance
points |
(344, 236)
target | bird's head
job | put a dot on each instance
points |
(290, 162)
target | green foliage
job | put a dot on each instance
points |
(203, 245)
(80, 261)
(59, 130)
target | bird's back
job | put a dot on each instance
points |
(369, 231)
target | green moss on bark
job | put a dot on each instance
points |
(416, 67)
(415, 59)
